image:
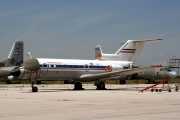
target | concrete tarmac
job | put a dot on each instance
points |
(60, 102)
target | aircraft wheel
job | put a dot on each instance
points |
(169, 90)
(160, 90)
(8, 82)
(152, 90)
(66, 82)
(122, 82)
(34, 89)
(101, 86)
(156, 90)
(38, 82)
(176, 89)
(78, 86)
(150, 81)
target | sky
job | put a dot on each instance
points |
(71, 29)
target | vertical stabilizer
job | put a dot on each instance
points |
(29, 55)
(15, 57)
(98, 52)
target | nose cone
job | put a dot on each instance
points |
(31, 64)
(16, 72)
(173, 74)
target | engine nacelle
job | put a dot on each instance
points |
(10, 77)
(114, 68)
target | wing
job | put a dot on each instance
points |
(113, 74)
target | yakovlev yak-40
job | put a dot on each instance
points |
(83, 70)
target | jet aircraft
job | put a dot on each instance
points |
(14, 59)
(155, 72)
(82, 70)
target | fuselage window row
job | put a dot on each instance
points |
(69, 66)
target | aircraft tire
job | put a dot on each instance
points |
(152, 90)
(160, 90)
(169, 90)
(150, 81)
(156, 90)
(38, 82)
(78, 86)
(176, 89)
(8, 82)
(66, 81)
(101, 86)
(122, 82)
(34, 89)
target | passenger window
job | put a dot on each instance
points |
(44, 65)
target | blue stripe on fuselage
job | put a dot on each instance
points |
(71, 66)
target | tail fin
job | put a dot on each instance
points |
(128, 52)
(98, 52)
(29, 55)
(15, 57)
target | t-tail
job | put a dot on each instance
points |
(128, 52)
(15, 57)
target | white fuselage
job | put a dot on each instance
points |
(63, 69)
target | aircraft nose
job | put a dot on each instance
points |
(31, 64)
(173, 74)
(16, 72)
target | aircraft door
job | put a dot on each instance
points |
(45, 69)
(86, 66)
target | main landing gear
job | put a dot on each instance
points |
(151, 81)
(122, 81)
(100, 85)
(34, 88)
(78, 86)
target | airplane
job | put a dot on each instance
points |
(14, 59)
(157, 72)
(82, 70)
(128, 54)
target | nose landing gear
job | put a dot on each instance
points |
(34, 88)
